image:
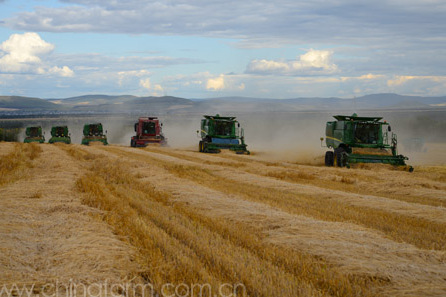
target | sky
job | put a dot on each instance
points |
(206, 49)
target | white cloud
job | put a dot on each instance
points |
(294, 20)
(402, 79)
(216, 84)
(157, 90)
(399, 80)
(375, 36)
(64, 71)
(145, 83)
(268, 66)
(135, 73)
(312, 62)
(23, 53)
(418, 85)
(369, 76)
(201, 82)
(126, 75)
(315, 59)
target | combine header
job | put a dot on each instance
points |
(221, 133)
(361, 140)
(148, 131)
(34, 134)
(60, 134)
(94, 133)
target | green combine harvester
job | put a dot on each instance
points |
(60, 134)
(94, 133)
(361, 140)
(34, 134)
(221, 133)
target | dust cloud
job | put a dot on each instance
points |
(275, 136)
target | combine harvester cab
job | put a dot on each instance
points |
(34, 134)
(94, 133)
(221, 133)
(60, 134)
(148, 131)
(361, 140)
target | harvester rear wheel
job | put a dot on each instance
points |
(132, 143)
(329, 159)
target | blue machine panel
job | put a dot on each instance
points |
(225, 141)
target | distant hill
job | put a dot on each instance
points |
(375, 101)
(153, 104)
(170, 104)
(26, 103)
(165, 101)
(93, 100)
(394, 99)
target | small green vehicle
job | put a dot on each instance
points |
(357, 139)
(94, 133)
(219, 132)
(34, 134)
(60, 134)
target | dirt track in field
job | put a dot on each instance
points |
(47, 233)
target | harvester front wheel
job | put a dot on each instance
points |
(200, 146)
(132, 143)
(329, 159)
(204, 147)
(339, 157)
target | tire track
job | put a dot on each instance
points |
(48, 236)
(409, 187)
(353, 248)
(425, 212)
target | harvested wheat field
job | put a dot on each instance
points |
(184, 223)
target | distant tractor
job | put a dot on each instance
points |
(221, 133)
(34, 134)
(361, 140)
(148, 131)
(94, 133)
(60, 134)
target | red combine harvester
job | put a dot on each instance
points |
(148, 131)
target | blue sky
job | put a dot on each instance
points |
(203, 49)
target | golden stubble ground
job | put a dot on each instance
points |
(47, 236)
(281, 227)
